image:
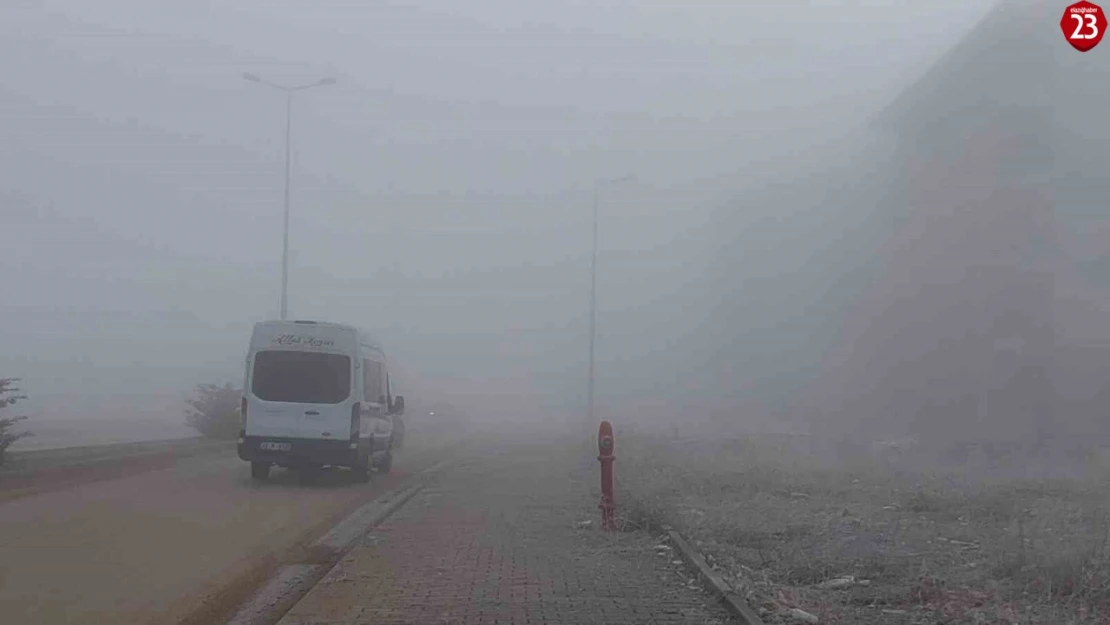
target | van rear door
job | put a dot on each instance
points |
(301, 394)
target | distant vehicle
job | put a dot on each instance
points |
(442, 410)
(317, 394)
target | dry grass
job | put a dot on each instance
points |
(922, 547)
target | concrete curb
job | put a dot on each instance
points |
(27, 462)
(714, 583)
(292, 582)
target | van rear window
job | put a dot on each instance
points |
(301, 377)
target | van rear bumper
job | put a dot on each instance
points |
(303, 451)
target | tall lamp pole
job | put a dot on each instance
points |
(599, 185)
(289, 91)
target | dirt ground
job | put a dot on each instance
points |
(856, 539)
(169, 544)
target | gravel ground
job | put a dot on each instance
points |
(862, 540)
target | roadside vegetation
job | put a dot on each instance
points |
(9, 396)
(873, 538)
(214, 410)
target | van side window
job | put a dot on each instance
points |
(371, 381)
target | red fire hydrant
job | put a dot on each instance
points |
(605, 447)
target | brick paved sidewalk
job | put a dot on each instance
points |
(496, 540)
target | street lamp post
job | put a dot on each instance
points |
(599, 184)
(288, 171)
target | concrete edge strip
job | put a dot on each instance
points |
(292, 582)
(281, 592)
(344, 534)
(714, 583)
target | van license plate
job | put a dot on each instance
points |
(275, 446)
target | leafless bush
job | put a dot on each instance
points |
(9, 395)
(214, 410)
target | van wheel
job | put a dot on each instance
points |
(398, 433)
(385, 465)
(361, 471)
(260, 470)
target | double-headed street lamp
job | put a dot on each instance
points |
(599, 185)
(289, 91)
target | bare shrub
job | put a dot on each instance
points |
(214, 410)
(9, 395)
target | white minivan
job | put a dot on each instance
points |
(316, 394)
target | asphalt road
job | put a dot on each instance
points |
(170, 545)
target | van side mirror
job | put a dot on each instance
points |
(399, 405)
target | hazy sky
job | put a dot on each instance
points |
(441, 187)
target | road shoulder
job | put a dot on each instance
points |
(33, 472)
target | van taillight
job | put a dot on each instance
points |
(243, 418)
(356, 411)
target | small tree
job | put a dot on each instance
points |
(214, 411)
(9, 394)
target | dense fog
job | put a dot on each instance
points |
(441, 198)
